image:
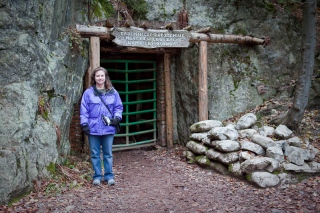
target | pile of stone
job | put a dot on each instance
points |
(265, 156)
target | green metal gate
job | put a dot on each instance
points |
(135, 80)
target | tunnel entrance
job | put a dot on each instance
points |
(135, 80)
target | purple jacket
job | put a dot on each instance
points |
(92, 109)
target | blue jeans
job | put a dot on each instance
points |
(104, 141)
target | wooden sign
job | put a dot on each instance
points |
(138, 37)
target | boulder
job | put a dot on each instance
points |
(310, 167)
(196, 147)
(227, 146)
(260, 163)
(266, 131)
(263, 141)
(246, 121)
(252, 147)
(198, 136)
(223, 133)
(247, 133)
(283, 132)
(245, 155)
(205, 126)
(225, 158)
(275, 152)
(220, 168)
(264, 179)
(235, 169)
(298, 155)
(295, 141)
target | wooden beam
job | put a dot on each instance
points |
(87, 31)
(94, 57)
(167, 79)
(104, 32)
(203, 82)
(220, 38)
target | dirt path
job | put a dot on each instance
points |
(161, 181)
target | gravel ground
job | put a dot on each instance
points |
(162, 181)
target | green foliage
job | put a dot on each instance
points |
(18, 198)
(43, 107)
(102, 8)
(75, 40)
(139, 8)
(51, 168)
(248, 177)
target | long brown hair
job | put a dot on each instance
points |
(108, 84)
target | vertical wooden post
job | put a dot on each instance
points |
(167, 79)
(161, 107)
(94, 55)
(203, 82)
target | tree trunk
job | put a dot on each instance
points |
(300, 101)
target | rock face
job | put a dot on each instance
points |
(236, 72)
(41, 80)
(263, 161)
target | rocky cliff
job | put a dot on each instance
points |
(41, 79)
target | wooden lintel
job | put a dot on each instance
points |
(104, 32)
(203, 82)
(167, 79)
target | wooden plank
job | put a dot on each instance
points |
(220, 38)
(203, 82)
(167, 79)
(87, 31)
(104, 32)
(94, 55)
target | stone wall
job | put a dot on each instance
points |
(265, 156)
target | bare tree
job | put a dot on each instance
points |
(300, 101)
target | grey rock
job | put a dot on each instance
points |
(276, 153)
(247, 133)
(264, 179)
(203, 161)
(225, 158)
(252, 147)
(220, 168)
(198, 136)
(190, 156)
(223, 133)
(235, 169)
(310, 167)
(246, 121)
(266, 131)
(245, 155)
(205, 126)
(227, 146)
(295, 141)
(263, 141)
(196, 147)
(259, 163)
(298, 155)
(283, 132)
